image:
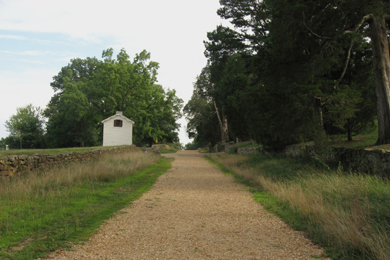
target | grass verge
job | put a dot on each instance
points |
(346, 213)
(41, 213)
(168, 148)
(5, 153)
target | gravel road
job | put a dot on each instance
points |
(194, 211)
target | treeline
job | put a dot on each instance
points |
(293, 71)
(90, 90)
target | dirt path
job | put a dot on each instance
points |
(195, 212)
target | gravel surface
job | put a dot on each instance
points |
(194, 211)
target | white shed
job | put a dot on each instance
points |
(117, 130)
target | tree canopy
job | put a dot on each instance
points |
(287, 71)
(90, 90)
(26, 128)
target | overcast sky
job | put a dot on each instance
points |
(40, 37)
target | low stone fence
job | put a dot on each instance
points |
(229, 148)
(328, 155)
(366, 160)
(218, 148)
(250, 150)
(15, 165)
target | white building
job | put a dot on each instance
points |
(117, 130)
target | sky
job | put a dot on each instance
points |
(38, 38)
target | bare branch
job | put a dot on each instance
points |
(364, 19)
(315, 34)
(346, 65)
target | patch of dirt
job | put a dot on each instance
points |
(21, 245)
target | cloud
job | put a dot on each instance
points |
(89, 20)
(12, 37)
(57, 31)
(29, 53)
(19, 89)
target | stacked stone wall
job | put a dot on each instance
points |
(366, 160)
(250, 150)
(16, 165)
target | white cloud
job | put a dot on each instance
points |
(89, 20)
(171, 30)
(29, 53)
(19, 89)
(12, 37)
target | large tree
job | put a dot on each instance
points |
(352, 21)
(203, 124)
(89, 90)
(303, 69)
(27, 127)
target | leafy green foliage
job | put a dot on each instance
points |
(201, 115)
(285, 74)
(89, 90)
(26, 128)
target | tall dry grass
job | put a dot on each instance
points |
(346, 209)
(50, 182)
(40, 211)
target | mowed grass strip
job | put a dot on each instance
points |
(43, 211)
(30, 152)
(346, 213)
(5, 153)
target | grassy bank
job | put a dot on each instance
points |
(4, 153)
(346, 213)
(42, 212)
(168, 148)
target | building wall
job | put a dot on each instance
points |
(113, 136)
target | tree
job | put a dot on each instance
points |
(300, 72)
(201, 116)
(27, 127)
(352, 20)
(87, 91)
(205, 89)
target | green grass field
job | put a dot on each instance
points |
(346, 213)
(43, 212)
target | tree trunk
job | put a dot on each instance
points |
(225, 130)
(222, 124)
(349, 130)
(380, 48)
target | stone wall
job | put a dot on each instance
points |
(230, 148)
(366, 160)
(250, 150)
(16, 165)
(218, 148)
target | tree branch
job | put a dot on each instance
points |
(220, 122)
(310, 30)
(345, 66)
(364, 19)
